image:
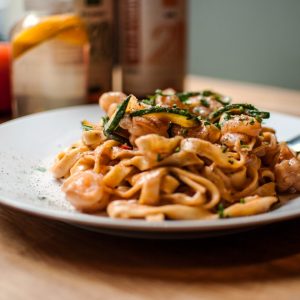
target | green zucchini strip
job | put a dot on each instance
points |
(115, 119)
(247, 109)
(173, 115)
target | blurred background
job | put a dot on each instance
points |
(255, 41)
(73, 49)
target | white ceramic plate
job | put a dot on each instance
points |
(29, 144)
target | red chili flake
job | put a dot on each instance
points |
(126, 147)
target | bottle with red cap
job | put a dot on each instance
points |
(5, 73)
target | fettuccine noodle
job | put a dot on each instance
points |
(177, 156)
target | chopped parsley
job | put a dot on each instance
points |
(226, 116)
(231, 161)
(177, 149)
(242, 200)
(218, 125)
(104, 120)
(150, 101)
(252, 121)
(183, 97)
(207, 123)
(204, 102)
(184, 131)
(159, 158)
(224, 148)
(224, 100)
(221, 210)
(207, 93)
(85, 126)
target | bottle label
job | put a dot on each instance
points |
(153, 44)
(98, 16)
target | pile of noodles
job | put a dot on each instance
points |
(237, 172)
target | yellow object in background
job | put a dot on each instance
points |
(66, 27)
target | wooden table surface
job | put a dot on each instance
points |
(42, 259)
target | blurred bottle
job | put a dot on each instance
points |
(98, 17)
(50, 58)
(153, 45)
(5, 86)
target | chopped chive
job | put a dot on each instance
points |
(218, 125)
(221, 210)
(204, 102)
(159, 158)
(207, 93)
(151, 101)
(231, 161)
(224, 148)
(184, 131)
(86, 127)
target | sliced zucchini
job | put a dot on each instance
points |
(115, 119)
(87, 125)
(118, 138)
(174, 115)
(184, 96)
(247, 109)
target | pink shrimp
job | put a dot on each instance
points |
(86, 191)
(111, 98)
(287, 174)
(139, 126)
(241, 124)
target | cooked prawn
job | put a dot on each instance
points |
(107, 99)
(241, 124)
(86, 191)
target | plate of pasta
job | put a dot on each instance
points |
(175, 164)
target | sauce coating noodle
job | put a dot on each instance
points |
(177, 156)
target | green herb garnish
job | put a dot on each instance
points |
(224, 100)
(231, 161)
(86, 127)
(184, 131)
(159, 158)
(221, 210)
(151, 101)
(183, 97)
(238, 109)
(208, 93)
(224, 148)
(218, 125)
(204, 102)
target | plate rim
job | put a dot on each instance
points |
(141, 225)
